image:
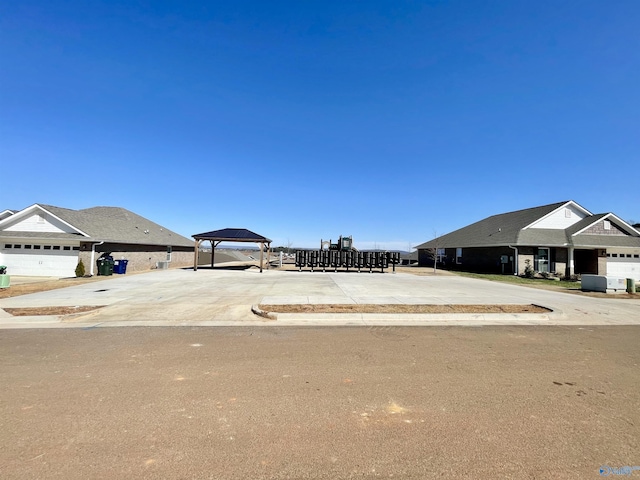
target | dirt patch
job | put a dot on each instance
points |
(402, 308)
(35, 287)
(34, 311)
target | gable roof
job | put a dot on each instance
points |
(6, 213)
(108, 224)
(502, 229)
(232, 235)
(515, 229)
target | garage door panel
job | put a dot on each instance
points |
(54, 263)
(623, 267)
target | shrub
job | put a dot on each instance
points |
(3, 270)
(80, 269)
(529, 272)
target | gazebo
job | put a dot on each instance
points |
(229, 235)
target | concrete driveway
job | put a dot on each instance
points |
(224, 298)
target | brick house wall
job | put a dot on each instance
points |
(487, 260)
(478, 259)
(560, 261)
(140, 257)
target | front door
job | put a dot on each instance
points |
(541, 260)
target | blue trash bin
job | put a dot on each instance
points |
(120, 266)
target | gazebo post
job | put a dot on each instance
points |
(261, 254)
(195, 255)
(269, 256)
(213, 252)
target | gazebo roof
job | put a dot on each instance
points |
(232, 235)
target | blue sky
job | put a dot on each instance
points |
(303, 120)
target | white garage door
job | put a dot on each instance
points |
(626, 265)
(55, 261)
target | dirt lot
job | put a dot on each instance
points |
(319, 403)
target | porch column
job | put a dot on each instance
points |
(571, 264)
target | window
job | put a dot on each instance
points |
(47, 247)
(628, 255)
(17, 246)
(608, 255)
(541, 260)
(7, 245)
(66, 248)
(169, 254)
(607, 225)
(76, 248)
(28, 247)
(56, 247)
(36, 247)
(636, 255)
(440, 253)
(458, 255)
(614, 255)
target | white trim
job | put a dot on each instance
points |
(617, 221)
(570, 202)
(35, 207)
(10, 212)
(595, 220)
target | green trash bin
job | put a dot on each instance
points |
(105, 266)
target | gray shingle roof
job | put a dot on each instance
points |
(49, 235)
(232, 235)
(584, 223)
(507, 229)
(601, 241)
(502, 229)
(115, 224)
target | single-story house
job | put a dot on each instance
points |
(563, 238)
(43, 240)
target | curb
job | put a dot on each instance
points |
(261, 313)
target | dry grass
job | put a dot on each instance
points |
(31, 311)
(35, 287)
(401, 308)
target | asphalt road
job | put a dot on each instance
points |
(348, 402)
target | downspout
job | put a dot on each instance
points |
(515, 260)
(93, 255)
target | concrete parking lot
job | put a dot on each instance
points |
(224, 298)
(524, 396)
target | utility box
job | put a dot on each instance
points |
(602, 283)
